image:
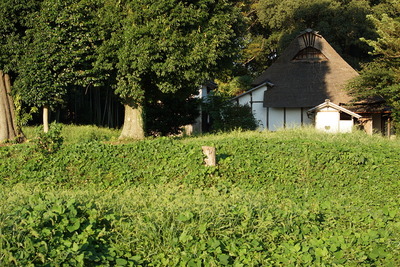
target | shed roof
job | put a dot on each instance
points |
(305, 82)
(328, 103)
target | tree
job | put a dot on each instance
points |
(172, 47)
(12, 29)
(13, 24)
(58, 52)
(8, 123)
(381, 78)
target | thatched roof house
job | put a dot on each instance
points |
(308, 72)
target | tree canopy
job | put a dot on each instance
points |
(58, 51)
(173, 47)
(381, 77)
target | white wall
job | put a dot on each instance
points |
(279, 118)
(245, 100)
(254, 100)
(202, 92)
(273, 118)
(346, 126)
(327, 120)
(293, 117)
(257, 107)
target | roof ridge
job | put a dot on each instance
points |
(309, 30)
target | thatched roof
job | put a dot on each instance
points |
(308, 72)
(369, 105)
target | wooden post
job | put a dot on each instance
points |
(210, 154)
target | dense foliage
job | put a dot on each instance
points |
(284, 198)
(147, 51)
(173, 47)
(381, 78)
(224, 115)
(57, 52)
(49, 142)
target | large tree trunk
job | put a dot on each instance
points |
(8, 125)
(133, 122)
(4, 131)
(45, 119)
(7, 83)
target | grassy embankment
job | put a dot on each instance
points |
(285, 198)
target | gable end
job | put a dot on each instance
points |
(309, 54)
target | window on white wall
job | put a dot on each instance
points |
(345, 117)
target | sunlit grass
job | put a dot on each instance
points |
(77, 133)
(299, 194)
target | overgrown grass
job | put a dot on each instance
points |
(78, 134)
(282, 198)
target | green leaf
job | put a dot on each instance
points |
(223, 259)
(75, 226)
(203, 228)
(121, 262)
(80, 258)
(58, 209)
(67, 243)
(75, 247)
(184, 237)
(321, 252)
(306, 258)
(378, 252)
(185, 216)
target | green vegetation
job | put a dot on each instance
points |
(286, 198)
(146, 51)
(77, 134)
(381, 77)
(226, 115)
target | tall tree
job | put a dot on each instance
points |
(172, 46)
(381, 78)
(9, 129)
(58, 52)
(13, 25)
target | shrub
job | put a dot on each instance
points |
(50, 142)
(227, 116)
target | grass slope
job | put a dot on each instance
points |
(276, 199)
